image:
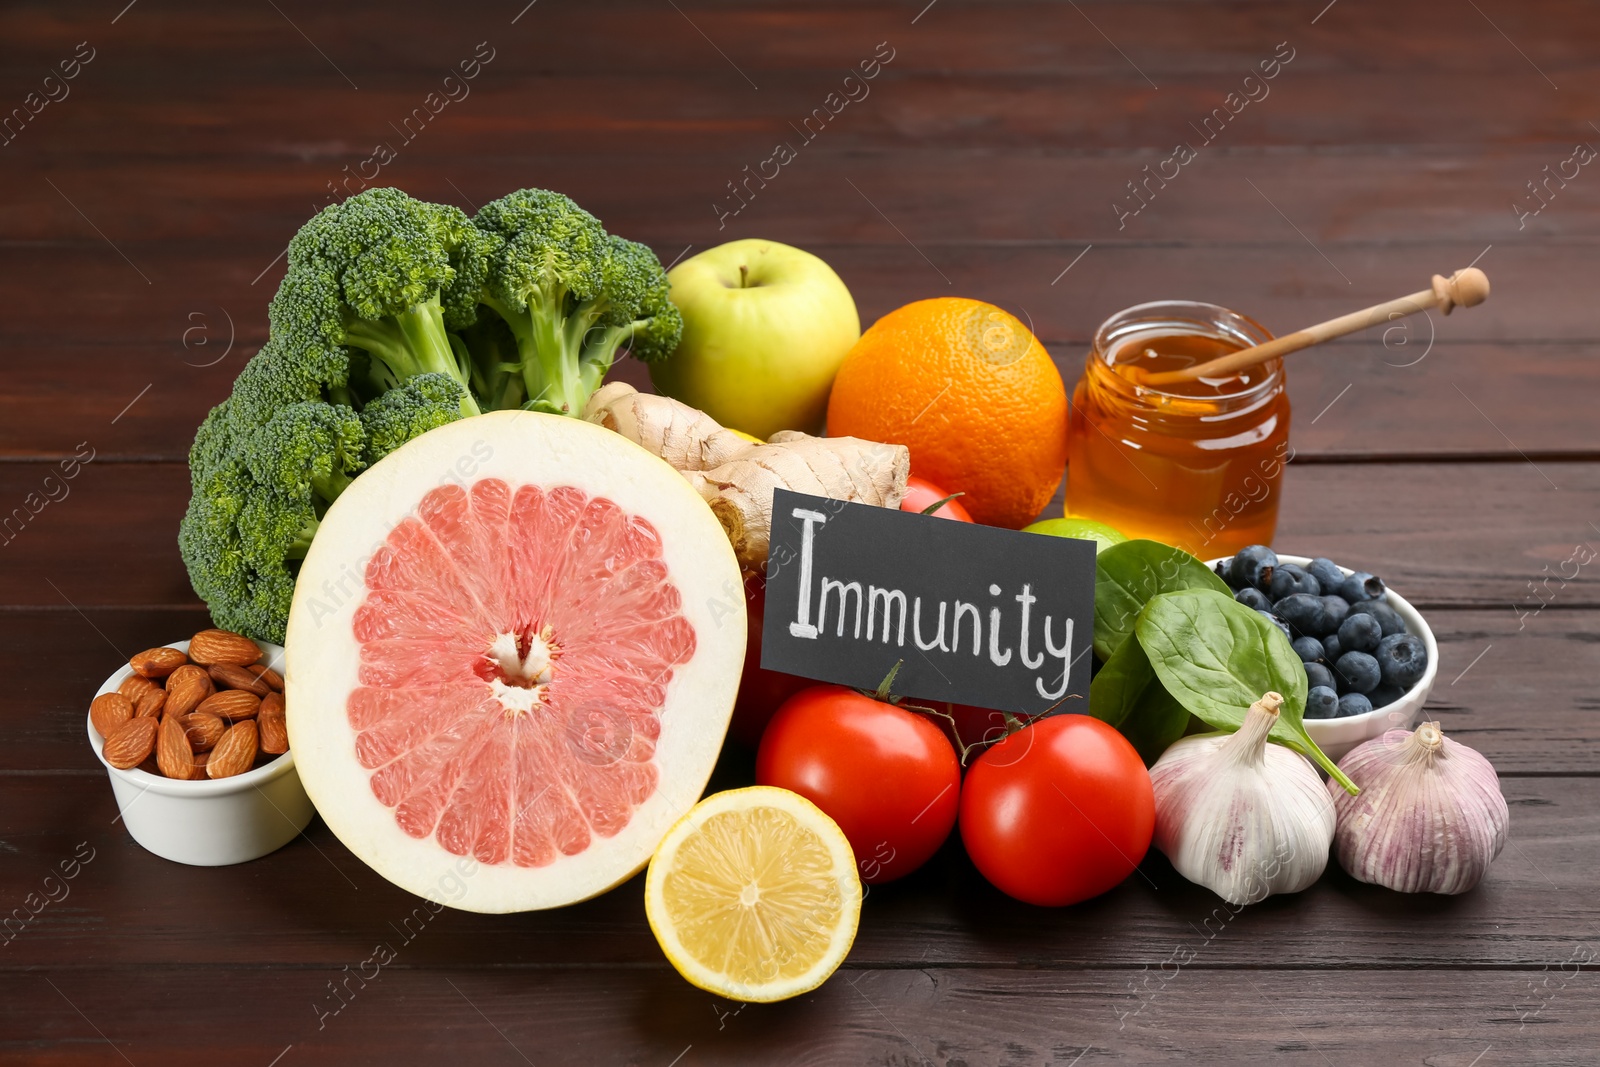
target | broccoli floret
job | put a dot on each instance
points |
(423, 403)
(257, 504)
(372, 273)
(572, 295)
(311, 449)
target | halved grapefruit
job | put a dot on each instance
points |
(512, 656)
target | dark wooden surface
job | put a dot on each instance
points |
(139, 221)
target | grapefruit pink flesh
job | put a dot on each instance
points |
(539, 660)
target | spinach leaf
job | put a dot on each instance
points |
(1127, 575)
(1126, 694)
(1158, 721)
(1115, 693)
(1216, 657)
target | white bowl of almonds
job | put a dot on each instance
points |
(193, 737)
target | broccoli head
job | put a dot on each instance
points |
(394, 317)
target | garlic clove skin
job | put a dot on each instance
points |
(1242, 817)
(1430, 817)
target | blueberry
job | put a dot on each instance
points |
(1360, 633)
(1252, 566)
(1309, 649)
(1402, 658)
(1278, 622)
(1387, 617)
(1359, 671)
(1253, 598)
(1326, 572)
(1360, 586)
(1331, 649)
(1317, 674)
(1353, 704)
(1223, 568)
(1291, 578)
(1303, 612)
(1385, 695)
(1336, 608)
(1321, 703)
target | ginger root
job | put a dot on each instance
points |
(687, 438)
(737, 478)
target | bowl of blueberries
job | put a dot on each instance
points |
(1369, 656)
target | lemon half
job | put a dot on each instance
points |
(754, 895)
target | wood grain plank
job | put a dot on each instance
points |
(1022, 195)
(208, 116)
(994, 76)
(1466, 534)
(58, 658)
(949, 1018)
(987, 36)
(313, 903)
(1401, 402)
(1538, 292)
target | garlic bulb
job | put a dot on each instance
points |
(1430, 816)
(1244, 818)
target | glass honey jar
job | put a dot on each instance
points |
(1195, 464)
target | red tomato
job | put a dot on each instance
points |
(1059, 812)
(888, 777)
(760, 691)
(922, 494)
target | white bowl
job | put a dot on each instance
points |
(1338, 736)
(214, 822)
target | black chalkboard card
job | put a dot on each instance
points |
(979, 615)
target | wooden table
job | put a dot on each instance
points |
(144, 214)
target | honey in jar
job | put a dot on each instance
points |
(1195, 464)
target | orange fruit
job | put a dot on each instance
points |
(971, 392)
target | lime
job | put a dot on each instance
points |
(1084, 529)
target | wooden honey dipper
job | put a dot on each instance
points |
(1467, 287)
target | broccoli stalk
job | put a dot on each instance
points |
(406, 344)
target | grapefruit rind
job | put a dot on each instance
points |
(840, 885)
(323, 657)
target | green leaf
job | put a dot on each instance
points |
(1115, 693)
(1216, 657)
(1126, 694)
(1127, 575)
(1156, 723)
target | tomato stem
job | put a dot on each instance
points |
(937, 504)
(882, 695)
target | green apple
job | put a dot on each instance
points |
(765, 327)
(1084, 529)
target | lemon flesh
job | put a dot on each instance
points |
(754, 896)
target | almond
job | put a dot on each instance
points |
(186, 688)
(222, 646)
(135, 686)
(200, 761)
(173, 754)
(274, 728)
(130, 743)
(109, 711)
(227, 676)
(151, 703)
(157, 662)
(234, 753)
(231, 704)
(204, 730)
(273, 679)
